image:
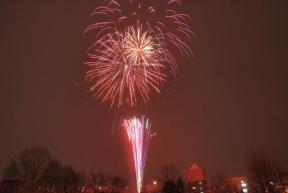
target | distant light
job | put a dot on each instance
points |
(194, 188)
(100, 188)
(155, 182)
(244, 185)
(245, 190)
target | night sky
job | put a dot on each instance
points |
(228, 100)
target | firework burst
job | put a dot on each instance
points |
(124, 65)
(162, 16)
(139, 134)
(132, 55)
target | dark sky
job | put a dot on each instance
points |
(230, 99)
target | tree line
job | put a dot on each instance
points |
(34, 170)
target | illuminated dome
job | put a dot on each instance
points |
(195, 174)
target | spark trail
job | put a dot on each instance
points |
(139, 134)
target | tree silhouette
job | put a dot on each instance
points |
(34, 170)
(11, 172)
(169, 173)
(53, 175)
(98, 179)
(263, 170)
(71, 179)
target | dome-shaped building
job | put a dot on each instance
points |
(195, 174)
(196, 179)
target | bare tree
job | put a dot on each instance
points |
(52, 177)
(32, 163)
(263, 170)
(118, 182)
(98, 180)
(71, 179)
(11, 172)
(169, 173)
(35, 171)
(28, 167)
(173, 186)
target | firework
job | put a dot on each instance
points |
(132, 55)
(124, 65)
(138, 131)
(162, 16)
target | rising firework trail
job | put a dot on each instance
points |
(139, 134)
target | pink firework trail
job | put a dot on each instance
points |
(139, 134)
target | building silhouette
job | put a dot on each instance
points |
(196, 180)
